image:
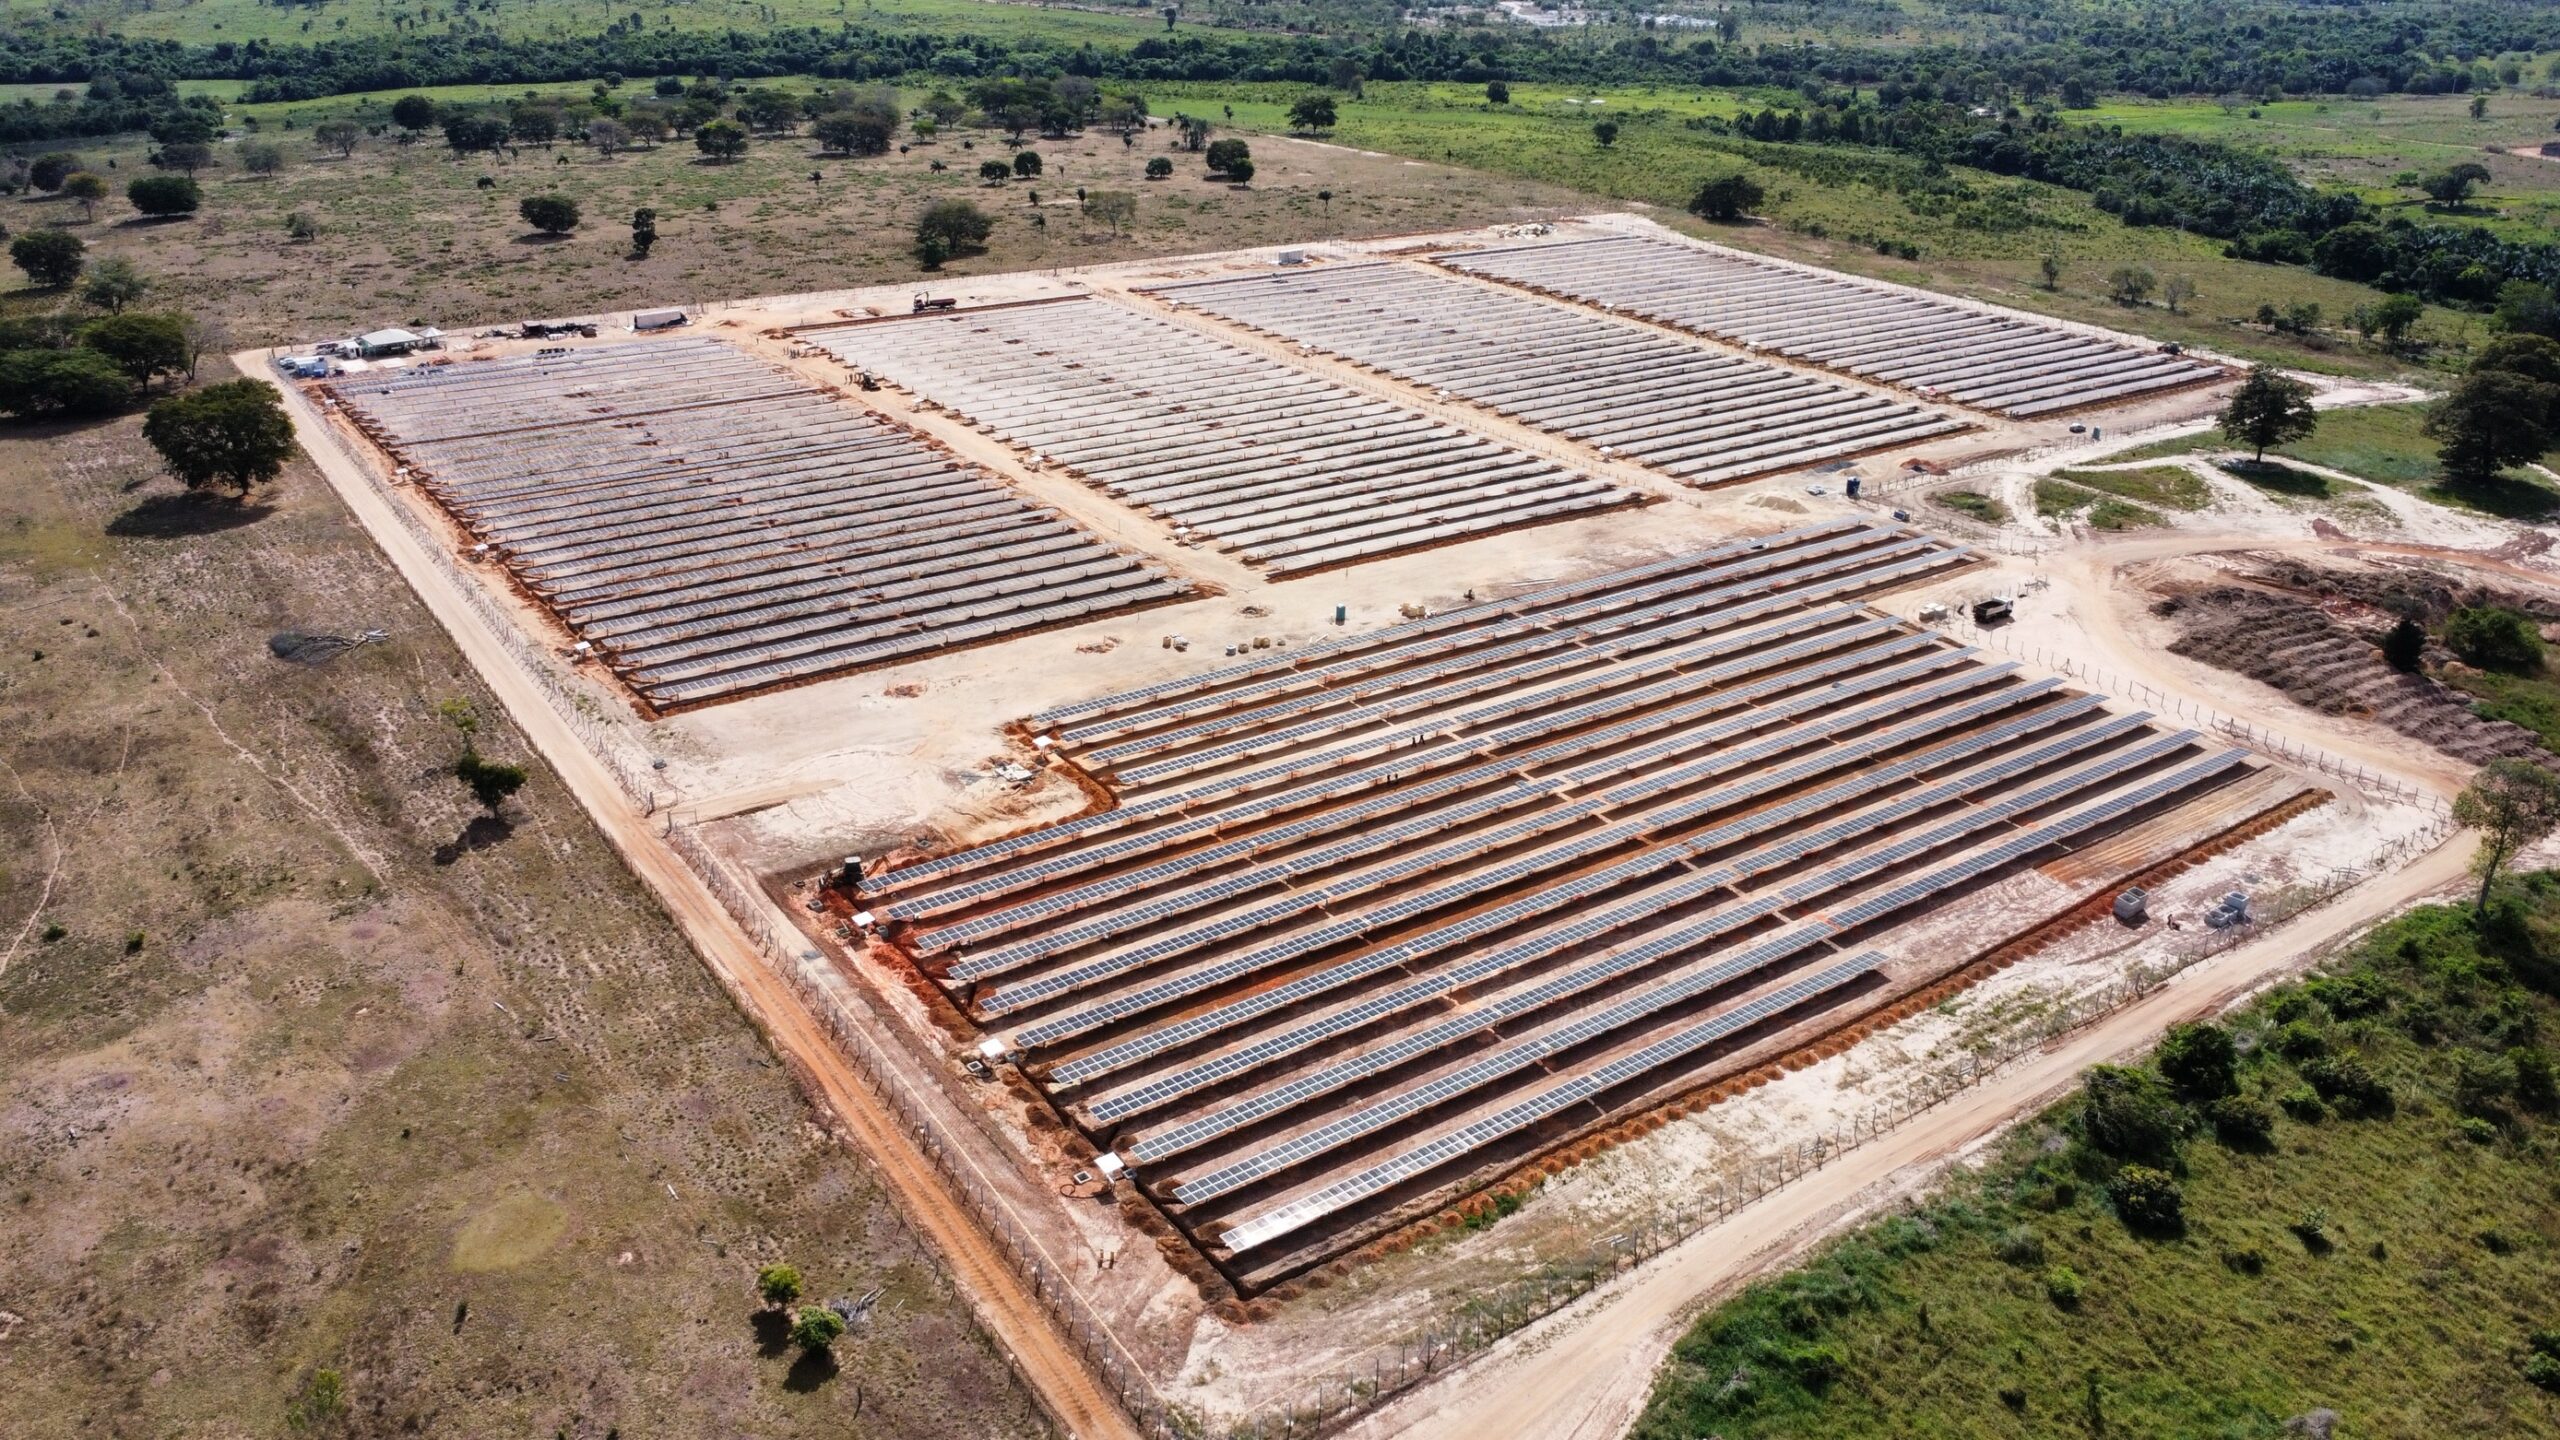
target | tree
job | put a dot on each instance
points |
(2147, 1200)
(816, 1328)
(263, 158)
(950, 228)
(1240, 172)
(2392, 317)
(2050, 267)
(647, 128)
(2131, 285)
(113, 284)
(2493, 419)
(413, 113)
(490, 782)
(2131, 1115)
(2493, 637)
(2479, 107)
(2199, 1060)
(1606, 132)
(470, 134)
(2535, 357)
(47, 172)
(164, 197)
(186, 158)
(86, 188)
(2176, 291)
(550, 214)
(1727, 198)
(531, 124)
(764, 108)
(607, 137)
(2527, 308)
(1312, 111)
(142, 346)
(233, 434)
(1159, 169)
(1497, 93)
(2512, 803)
(341, 136)
(778, 1284)
(1195, 132)
(1115, 208)
(2270, 408)
(299, 226)
(1027, 165)
(2453, 185)
(855, 132)
(721, 140)
(644, 231)
(51, 258)
(2405, 646)
(1223, 155)
(994, 172)
(72, 384)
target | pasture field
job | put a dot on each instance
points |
(408, 234)
(306, 1067)
(2318, 1271)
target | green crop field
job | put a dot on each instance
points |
(2386, 1248)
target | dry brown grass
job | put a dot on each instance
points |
(319, 1075)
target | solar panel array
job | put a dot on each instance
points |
(715, 525)
(1293, 472)
(1515, 870)
(1701, 415)
(1989, 360)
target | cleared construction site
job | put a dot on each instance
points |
(1281, 750)
(1374, 921)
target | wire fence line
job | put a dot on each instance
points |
(1414, 1358)
(803, 968)
(797, 964)
(1493, 1314)
(2256, 737)
(605, 742)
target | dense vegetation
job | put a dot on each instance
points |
(2080, 50)
(2341, 1198)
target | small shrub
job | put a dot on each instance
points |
(1817, 1366)
(2248, 1260)
(54, 932)
(2346, 1082)
(2242, 1123)
(2020, 1245)
(2476, 1130)
(2301, 1040)
(2015, 1397)
(2303, 1104)
(2148, 1200)
(2062, 1286)
(2496, 1242)
(2311, 1227)
(2543, 1371)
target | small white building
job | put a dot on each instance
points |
(374, 344)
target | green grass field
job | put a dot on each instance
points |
(2389, 1262)
(2386, 444)
(2364, 144)
(2165, 487)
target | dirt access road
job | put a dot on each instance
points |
(1003, 1303)
(1584, 1372)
